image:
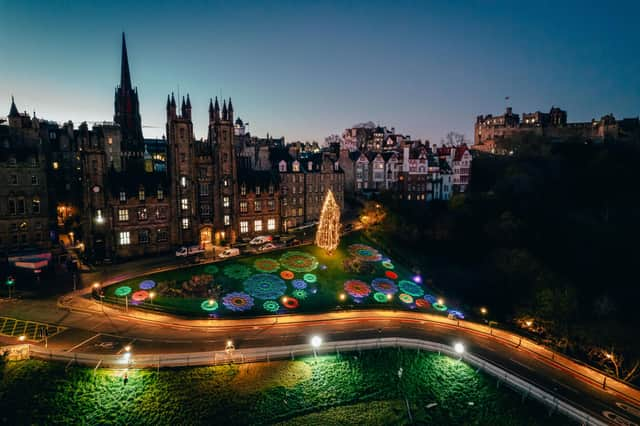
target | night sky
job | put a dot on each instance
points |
(306, 70)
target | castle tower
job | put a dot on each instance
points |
(127, 109)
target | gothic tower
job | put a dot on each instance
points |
(181, 161)
(127, 110)
(225, 189)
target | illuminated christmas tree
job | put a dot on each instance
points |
(328, 234)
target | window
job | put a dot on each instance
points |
(257, 225)
(183, 181)
(258, 189)
(271, 204)
(244, 226)
(20, 206)
(162, 235)
(202, 172)
(142, 213)
(185, 223)
(160, 194)
(271, 189)
(225, 202)
(12, 206)
(243, 189)
(34, 180)
(225, 182)
(123, 196)
(271, 224)
(143, 236)
(205, 209)
(243, 206)
(227, 220)
(35, 205)
(13, 179)
(184, 204)
(204, 189)
(160, 213)
(257, 205)
(125, 238)
(34, 161)
(12, 161)
(299, 211)
(296, 166)
(123, 215)
(141, 194)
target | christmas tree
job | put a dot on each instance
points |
(328, 234)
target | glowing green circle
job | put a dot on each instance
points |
(387, 264)
(380, 297)
(310, 278)
(406, 298)
(123, 291)
(411, 288)
(439, 307)
(299, 294)
(211, 269)
(206, 306)
(271, 306)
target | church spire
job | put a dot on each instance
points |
(224, 110)
(13, 112)
(125, 75)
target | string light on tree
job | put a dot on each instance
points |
(328, 234)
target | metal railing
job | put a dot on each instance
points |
(518, 383)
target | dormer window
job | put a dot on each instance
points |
(258, 189)
(296, 166)
(160, 194)
(123, 196)
(310, 165)
(141, 193)
(282, 166)
(243, 189)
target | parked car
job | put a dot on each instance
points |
(267, 246)
(189, 251)
(230, 252)
(261, 240)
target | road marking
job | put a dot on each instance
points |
(83, 342)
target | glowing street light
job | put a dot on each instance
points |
(459, 348)
(151, 296)
(210, 302)
(417, 279)
(389, 296)
(483, 310)
(127, 348)
(440, 301)
(96, 285)
(22, 338)
(316, 341)
(529, 323)
(343, 297)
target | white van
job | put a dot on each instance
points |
(230, 252)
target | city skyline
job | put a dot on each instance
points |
(310, 86)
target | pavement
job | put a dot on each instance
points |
(89, 327)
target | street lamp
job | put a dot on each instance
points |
(459, 348)
(343, 297)
(22, 338)
(389, 296)
(483, 310)
(316, 341)
(151, 296)
(529, 323)
(440, 301)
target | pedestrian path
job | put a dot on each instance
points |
(31, 330)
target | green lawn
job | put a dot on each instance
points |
(260, 288)
(355, 388)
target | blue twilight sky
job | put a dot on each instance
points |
(308, 69)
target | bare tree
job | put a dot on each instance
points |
(454, 139)
(616, 364)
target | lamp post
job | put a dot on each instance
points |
(151, 296)
(316, 342)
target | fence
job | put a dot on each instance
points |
(520, 384)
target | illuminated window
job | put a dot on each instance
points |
(225, 182)
(123, 215)
(185, 223)
(141, 194)
(123, 196)
(244, 226)
(227, 220)
(162, 235)
(183, 181)
(271, 204)
(143, 236)
(257, 205)
(243, 189)
(225, 202)
(257, 225)
(271, 224)
(258, 189)
(243, 206)
(160, 194)
(142, 214)
(125, 238)
(184, 204)
(55, 165)
(35, 205)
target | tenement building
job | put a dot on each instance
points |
(489, 130)
(115, 195)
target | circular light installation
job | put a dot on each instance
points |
(384, 285)
(211, 269)
(287, 275)
(299, 261)
(266, 265)
(299, 284)
(209, 305)
(456, 314)
(310, 278)
(421, 303)
(122, 291)
(411, 288)
(299, 294)
(271, 306)
(439, 307)
(237, 271)
(380, 297)
(290, 302)
(387, 264)
(390, 274)
(357, 288)
(147, 284)
(405, 298)
(265, 286)
(364, 252)
(238, 301)
(139, 296)
(430, 298)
